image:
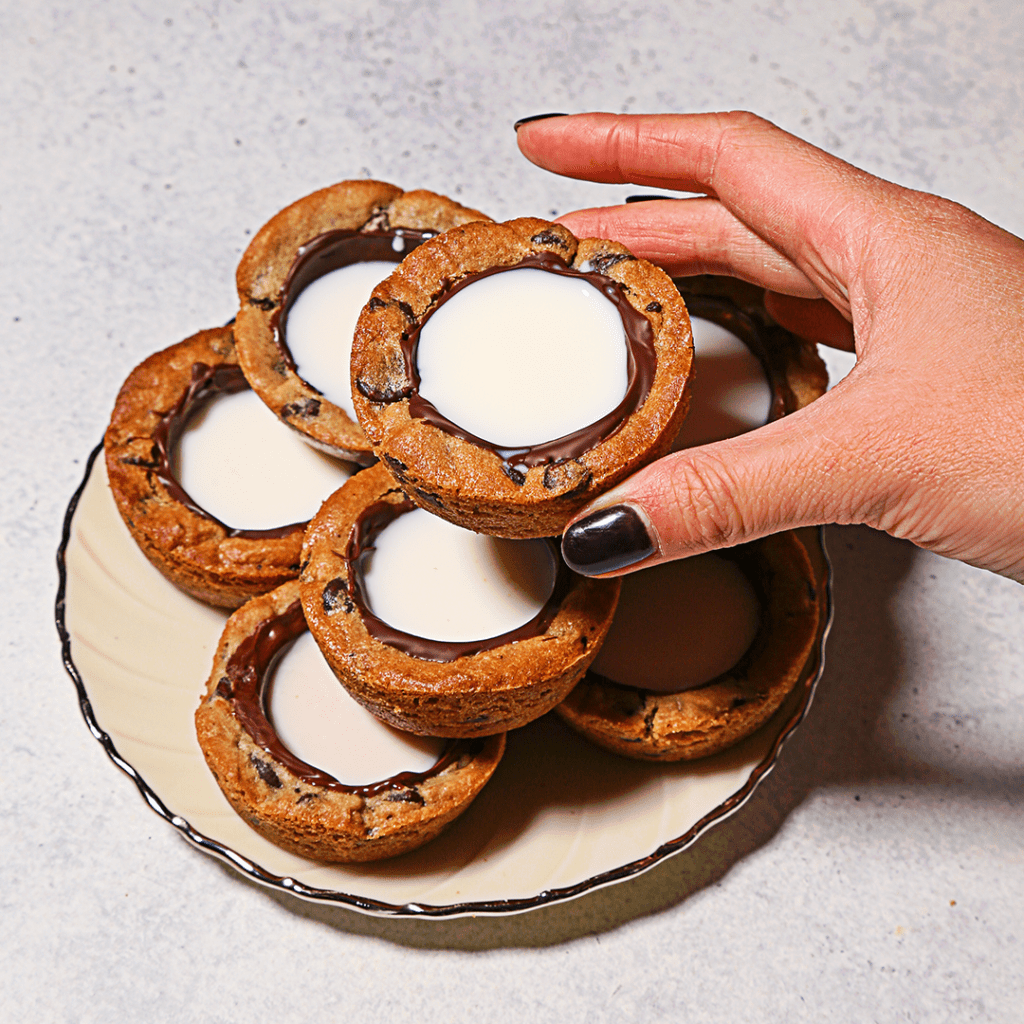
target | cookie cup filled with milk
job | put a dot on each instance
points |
(489, 636)
(379, 803)
(506, 374)
(213, 489)
(301, 284)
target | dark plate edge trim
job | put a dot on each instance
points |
(413, 910)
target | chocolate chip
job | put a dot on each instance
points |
(384, 396)
(263, 303)
(549, 238)
(406, 796)
(738, 702)
(516, 476)
(649, 720)
(653, 307)
(307, 407)
(407, 312)
(376, 303)
(225, 688)
(603, 262)
(265, 772)
(336, 597)
(567, 476)
(306, 797)
(397, 467)
(429, 497)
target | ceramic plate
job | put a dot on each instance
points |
(559, 817)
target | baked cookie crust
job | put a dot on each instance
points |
(374, 210)
(295, 805)
(466, 481)
(696, 723)
(205, 557)
(476, 694)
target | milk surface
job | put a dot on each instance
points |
(435, 580)
(730, 395)
(320, 723)
(524, 357)
(236, 460)
(321, 323)
(679, 624)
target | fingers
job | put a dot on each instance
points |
(812, 320)
(821, 465)
(811, 207)
(693, 236)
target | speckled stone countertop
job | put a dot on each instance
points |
(877, 874)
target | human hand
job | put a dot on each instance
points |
(925, 437)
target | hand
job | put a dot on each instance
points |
(924, 439)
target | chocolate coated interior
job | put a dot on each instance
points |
(246, 683)
(642, 364)
(332, 251)
(367, 527)
(206, 382)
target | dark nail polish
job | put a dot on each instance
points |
(605, 541)
(535, 117)
(645, 199)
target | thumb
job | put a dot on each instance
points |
(819, 465)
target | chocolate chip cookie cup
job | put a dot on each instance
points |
(506, 374)
(476, 685)
(301, 283)
(300, 807)
(210, 559)
(647, 724)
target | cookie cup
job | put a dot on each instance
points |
(381, 216)
(293, 804)
(464, 479)
(694, 723)
(503, 683)
(197, 552)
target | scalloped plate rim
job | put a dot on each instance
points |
(377, 908)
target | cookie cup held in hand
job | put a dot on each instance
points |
(468, 480)
(368, 220)
(293, 804)
(502, 683)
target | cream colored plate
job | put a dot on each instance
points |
(559, 817)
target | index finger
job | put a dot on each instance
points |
(809, 205)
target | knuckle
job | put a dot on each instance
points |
(705, 495)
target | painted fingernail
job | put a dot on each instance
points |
(535, 117)
(604, 541)
(644, 199)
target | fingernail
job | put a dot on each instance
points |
(535, 117)
(645, 199)
(604, 541)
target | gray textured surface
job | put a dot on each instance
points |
(879, 872)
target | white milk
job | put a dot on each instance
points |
(730, 394)
(523, 357)
(680, 624)
(241, 464)
(439, 581)
(321, 323)
(320, 723)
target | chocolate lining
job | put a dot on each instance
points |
(367, 527)
(247, 682)
(205, 383)
(332, 251)
(641, 358)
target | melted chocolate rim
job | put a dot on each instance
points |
(330, 251)
(205, 382)
(365, 530)
(641, 361)
(246, 684)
